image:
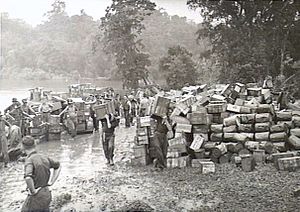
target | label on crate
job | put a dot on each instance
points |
(197, 142)
(233, 108)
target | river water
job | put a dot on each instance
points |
(20, 89)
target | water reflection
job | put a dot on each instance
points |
(80, 158)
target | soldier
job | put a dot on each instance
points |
(109, 123)
(160, 141)
(3, 140)
(15, 111)
(45, 110)
(27, 110)
(37, 177)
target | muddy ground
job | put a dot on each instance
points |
(87, 184)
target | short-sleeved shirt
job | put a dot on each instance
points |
(38, 167)
(105, 128)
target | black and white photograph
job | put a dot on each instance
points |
(149, 105)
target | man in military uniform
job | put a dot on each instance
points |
(37, 177)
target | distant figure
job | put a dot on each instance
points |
(3, 140)
(37, 177)
(144, 105)
(27, 110)
(126, 105)
(15, 136)
(70, 113)
(109, 123)
(134, 108)
(45, 110)
(15, 111)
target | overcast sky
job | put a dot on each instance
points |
(32, 11)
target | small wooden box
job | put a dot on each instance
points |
(101, 111)
(54, 120)
(277, 156)
(54, 136)
(289, 164)
(55, 129)
(233, 108)
(216, 108)
(183, 128)
(200, 128)
(179, 162)
(204, 165)
(197, 118)
(35, 131)
(160, 106)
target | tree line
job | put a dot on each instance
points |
(238, 41)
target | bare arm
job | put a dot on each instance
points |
(62, 112)
(108, 122)
(30, 186)
(54, 176)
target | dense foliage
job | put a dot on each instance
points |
(121, 25)
(178, 67)
(62, 46)
(251, 39)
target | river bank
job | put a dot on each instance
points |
(87, 184)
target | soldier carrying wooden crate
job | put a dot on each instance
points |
(109, 123)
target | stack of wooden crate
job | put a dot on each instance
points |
(144, 132)
(55, 128)
(177, 154)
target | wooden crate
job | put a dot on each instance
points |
(54, 120)
(294, 142)
(289, 164)
(205, 166)
(55, 129)
(233, 108)
(248, 163)
(197, 118)
(277, 156)
(216, 128)
(179, 162)
(81, 127)
(35, 131)
(160, 106)
(216, 108)
(143, 121)
(180, 140)
(184, 128)
(100, 111)
(54, 136)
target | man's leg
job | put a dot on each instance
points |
(159, 155)
(111, 147)
(4, 149)
(105, 147)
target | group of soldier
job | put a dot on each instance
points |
(37, 166)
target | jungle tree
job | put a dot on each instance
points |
(178, 67)
(122, 23)
(252, 38)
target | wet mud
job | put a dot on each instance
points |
(86, 183)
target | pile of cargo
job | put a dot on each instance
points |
(144, 133)
(231, 123)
